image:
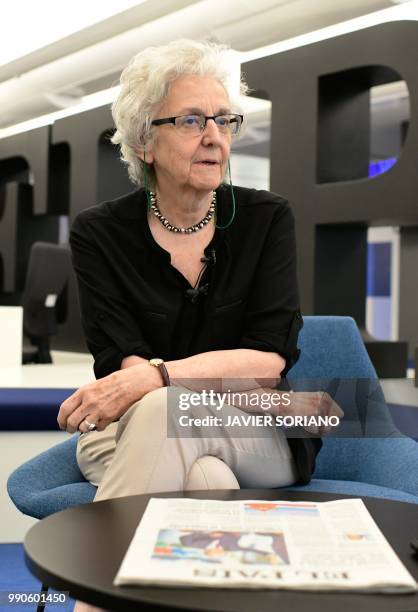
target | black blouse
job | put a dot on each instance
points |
(133, 302)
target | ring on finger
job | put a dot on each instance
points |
(91, 426)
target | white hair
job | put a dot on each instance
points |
(144, 85)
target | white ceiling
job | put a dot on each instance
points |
(54, 21)
(91, 59)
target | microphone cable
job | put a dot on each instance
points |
(146, 182)
(233, 202)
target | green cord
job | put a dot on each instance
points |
(233, 202)
(146, 182)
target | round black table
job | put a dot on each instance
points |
(80, 550)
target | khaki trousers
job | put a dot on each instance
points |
(135, 455)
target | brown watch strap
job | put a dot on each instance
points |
(159, 363)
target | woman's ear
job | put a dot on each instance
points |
(148, 157)
(145, 156)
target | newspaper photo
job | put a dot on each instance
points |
(332, 545)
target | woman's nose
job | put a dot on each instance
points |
(211, 133)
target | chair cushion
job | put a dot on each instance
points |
(384, 462)
(357, 489)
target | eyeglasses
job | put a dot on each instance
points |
(195, 124)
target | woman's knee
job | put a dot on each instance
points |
(209, 472)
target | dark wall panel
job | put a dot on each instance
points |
(320, 150)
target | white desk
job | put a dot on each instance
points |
(67, 370)
(11, 326)
(400, 391)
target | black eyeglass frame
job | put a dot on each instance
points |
(206, 118)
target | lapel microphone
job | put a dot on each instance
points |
(209, 259)
(194, 294)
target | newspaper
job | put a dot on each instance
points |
(262, 544)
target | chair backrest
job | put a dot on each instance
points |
(332, 347)
(48, 272)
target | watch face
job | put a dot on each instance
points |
(156, 361)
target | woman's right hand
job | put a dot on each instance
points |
(107, 399)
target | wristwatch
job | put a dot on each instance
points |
(159, 363)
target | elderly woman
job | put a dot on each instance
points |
(186, 278)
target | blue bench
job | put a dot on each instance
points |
(31, 409)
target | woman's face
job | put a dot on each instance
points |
(191, 162)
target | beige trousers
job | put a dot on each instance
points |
(135, 455)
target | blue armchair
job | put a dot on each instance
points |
(386, 466)
(332, 348)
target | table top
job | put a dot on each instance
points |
(80, 550)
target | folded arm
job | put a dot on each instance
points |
(108, 398)
(267, 347)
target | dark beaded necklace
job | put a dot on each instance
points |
(183, 230)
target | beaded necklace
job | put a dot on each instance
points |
(183, 230)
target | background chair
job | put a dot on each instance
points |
(331, 349)
(48, 272)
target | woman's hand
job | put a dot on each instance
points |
(107, 399)
(311, 403)
(299, 403)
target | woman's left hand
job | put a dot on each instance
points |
(107, 399)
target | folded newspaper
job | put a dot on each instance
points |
(262, 544)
